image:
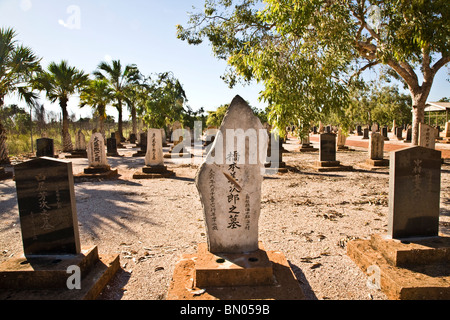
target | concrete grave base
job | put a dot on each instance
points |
(178, 155)
(330, 166)
(97, 173)
(77, 154)
(370, 164)
(46, 277)
(153, 172)
(416, 269)
(308, 148)
(279, 168)
(257, 275)
(114, 155)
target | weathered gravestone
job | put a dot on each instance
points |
(274, 161)
(412, 259)
(341, 141)
(359, 131)
(47, 210)
(80, 147)
(414, 192)
(376, 152)
(133, 138)
(427, 136)
(399, 133)
(51, 243)
(181, 139)
(45, 148)
(154, 160)
(447, 130)
(327, 155)
(408, 135)
(229, 184)
(307, 145)
(366, 134)
(111, 147)
(142, 144)
(384, 131)
(98, 163)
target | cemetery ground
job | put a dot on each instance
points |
(307, 215)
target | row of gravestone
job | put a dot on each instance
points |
(47, 203)
(230, 192)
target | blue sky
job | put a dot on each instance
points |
(135, 31)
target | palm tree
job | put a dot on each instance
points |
(97, 94)
(136, 94)
(17, 65)
(60, 82)
(119, 79)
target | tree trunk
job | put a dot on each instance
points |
(4, 159)
(119, 109)
(66, 138)
(134, 120)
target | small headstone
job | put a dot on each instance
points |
(327, 147)
(384, 130)
(44, 148)
(408, 135)
(359, 131)
(414, 193)
(399, 133)
(374, 127)
(133, 138)
(447, 130)
(427, 136)
(142, 144)
(229, 181)
(111, 147)
(47, 207)
(154, 155)
(341, 140)
(366, 133)
(376, 146)
(321, 128)
(96, 151)
(80, 141)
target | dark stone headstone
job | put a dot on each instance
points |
(408, 135)
(359, 131)
(111, 147)
(366, 133)
(47, 208)
(384, 131)
(45, 148)
(328, 129)
(133, 138)
(327, 147)
(399, 133)
(414, 193)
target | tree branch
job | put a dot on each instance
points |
(440, 63)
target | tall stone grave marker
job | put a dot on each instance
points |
(414, 192)
(142, 144)
(427, 136)
(376, 152)
(51, 243)
(98, 162)
(366, 134)
(154, 159)
(327, 155)
(80, 146)
(341, 140)
(229, 183)
(47, 208)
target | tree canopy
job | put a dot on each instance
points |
(309, 54)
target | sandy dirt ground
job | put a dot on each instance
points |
(308, 216)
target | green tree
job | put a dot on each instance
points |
(309, 53)
(215, 118)
(97, 94)
(120, 79)
(60, 82)
(165, 102)
(18, 64)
